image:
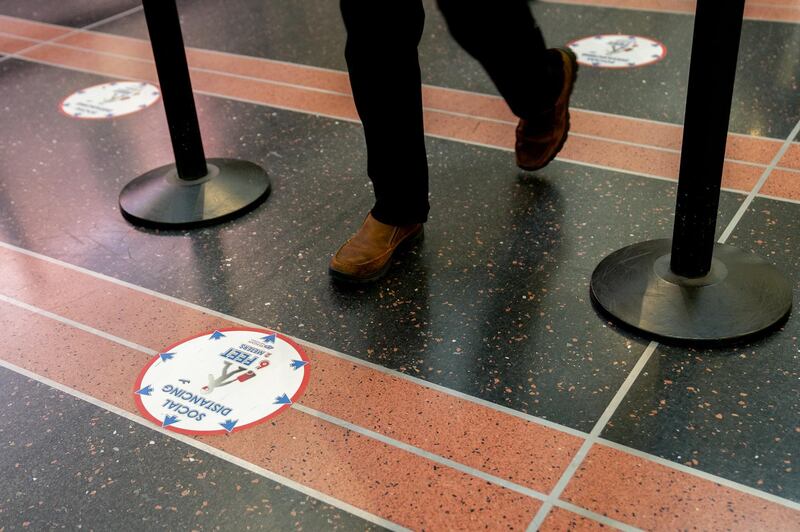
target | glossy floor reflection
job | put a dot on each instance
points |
(454, 392)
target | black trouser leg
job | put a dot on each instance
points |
(503, 36)
(381, 54)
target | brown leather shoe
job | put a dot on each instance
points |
(538, 141)
(367, 256)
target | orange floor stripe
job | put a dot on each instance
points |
(782, 184)
(13, 45)
(654, 497)
(610, 127)
(616, 142)
(791, 159)
(30, 29)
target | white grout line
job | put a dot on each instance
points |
(191, 68)
(555, 494)
(222, 455)
(603, 519)
(764, 176)
(74, 31)
(77, 325)
(513, 486)
(447, 391)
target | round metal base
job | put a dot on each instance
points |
(741, 296)
(160, 199)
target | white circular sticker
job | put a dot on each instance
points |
(222, 381)
(617, 51)
(110, 100)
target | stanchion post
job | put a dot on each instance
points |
(715, 47)
(163, 25)
(691, 288)
(195, 191)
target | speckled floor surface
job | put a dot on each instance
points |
(475, 386)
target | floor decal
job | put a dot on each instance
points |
(617, 51)
(110, 100)
(222, 381)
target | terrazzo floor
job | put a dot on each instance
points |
(473, 387)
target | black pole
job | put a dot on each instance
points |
(164, 27)
(715, 46)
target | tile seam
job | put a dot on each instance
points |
(222, 73)
(606, 520)
(77, 325)
(422, 453)
(600, 424)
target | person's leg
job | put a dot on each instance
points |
(381, 54)
(535, 82)
(504, 38)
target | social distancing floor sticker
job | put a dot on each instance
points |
(617, 51)
(110, 100)
(222, 381)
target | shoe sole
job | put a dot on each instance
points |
(406, 244)
(563, 140)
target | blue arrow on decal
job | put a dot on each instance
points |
(229, 424)
(269, 339)
(169, 420)
(282, 400)
(297, 364)
(166, 356)
(217, 335)
(147, 390)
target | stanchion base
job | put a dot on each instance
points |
(741, 296)
(161, 200)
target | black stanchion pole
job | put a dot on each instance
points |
(176, 87)
(194, 191)
(715, 46)
(691, 288)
